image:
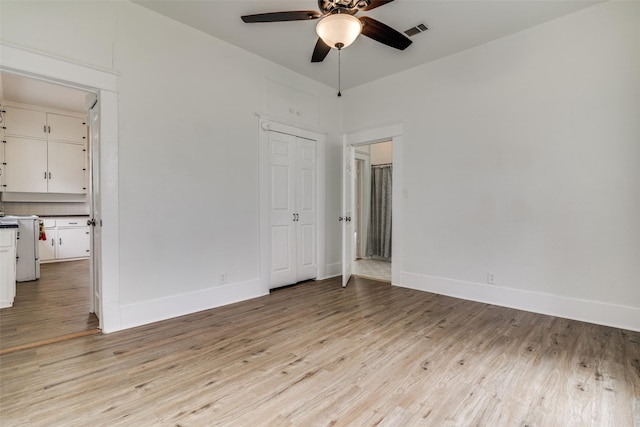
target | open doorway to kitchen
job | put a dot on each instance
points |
(57, 302)
(373, 210)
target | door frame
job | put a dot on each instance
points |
(105, 84)
(394, 133)
(267, 123)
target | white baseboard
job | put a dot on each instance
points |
(332, 270)
(145, 312)
(618, 316)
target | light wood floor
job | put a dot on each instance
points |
(56, 305)
(317, 354)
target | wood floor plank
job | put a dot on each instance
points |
(53, 306)
(317, 355)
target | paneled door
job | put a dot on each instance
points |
(292, 209)
(348, 235)
(95, 234)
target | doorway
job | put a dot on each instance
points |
(59, 304)
(351, 141)
(373, 210)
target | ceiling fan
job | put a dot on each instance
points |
(338, 27)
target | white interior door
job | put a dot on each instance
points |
(348, 190)
(95, 232)
(306, 209)
(282, 225)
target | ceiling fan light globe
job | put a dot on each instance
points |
(339, 28)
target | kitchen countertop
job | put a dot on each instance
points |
(64, 216)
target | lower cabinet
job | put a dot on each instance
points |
(7, 266)
(67, 239)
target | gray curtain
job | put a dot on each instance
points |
(379, 236)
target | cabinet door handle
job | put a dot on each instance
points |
(45, 128)
(53, 242)
(45, 174)
(49, 175)
(49, 127)
(60, 240)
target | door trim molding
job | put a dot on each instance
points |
(393, 132)
(267, 124)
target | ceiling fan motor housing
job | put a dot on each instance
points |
(350, 6)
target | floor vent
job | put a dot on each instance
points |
(416, 30)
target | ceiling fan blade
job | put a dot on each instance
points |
(383, 33)
(321, 51)
(294, 15)
(376, 3)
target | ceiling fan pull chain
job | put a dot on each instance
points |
(339, 72)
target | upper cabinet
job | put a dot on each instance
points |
(44, 152)
(27, 123)
(66, 128)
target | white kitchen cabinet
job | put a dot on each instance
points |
(44, 152)
(7, 266)
(292, 205)
(2, 162)
(47, 248)
(25, 122)
(26, 165)
(67, 239)
(31, 123)
(66, 128)
(66, 168)
(73, 242)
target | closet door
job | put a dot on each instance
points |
(306, 209)
(282, 224)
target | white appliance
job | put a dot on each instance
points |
(28, 262)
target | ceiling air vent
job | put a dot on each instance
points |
(416, 30)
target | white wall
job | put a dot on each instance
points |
(187, 166)
(382, 153)
(522, 158)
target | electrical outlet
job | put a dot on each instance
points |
(223, 278)
(491, 278)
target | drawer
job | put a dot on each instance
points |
(72, 222)
(49, 223)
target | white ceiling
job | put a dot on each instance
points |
(454, 26)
